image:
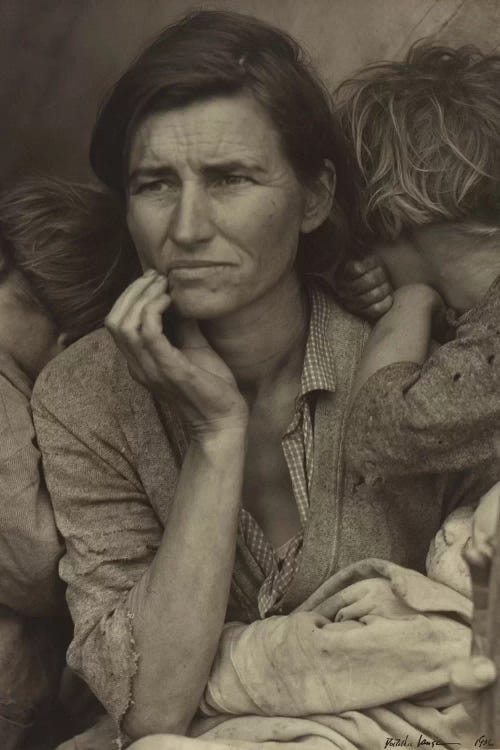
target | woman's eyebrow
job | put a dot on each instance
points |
(141, 172)
(233, 165)
(210, 167)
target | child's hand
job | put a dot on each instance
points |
(364, 288)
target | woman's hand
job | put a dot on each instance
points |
(365, 288)
(192, 374)
(373, 596)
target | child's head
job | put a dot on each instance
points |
(427, 137)
(65, 250)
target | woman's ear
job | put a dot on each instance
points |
(319, 199)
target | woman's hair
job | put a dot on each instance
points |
(426, 133)
(210, 53)
(69, 249)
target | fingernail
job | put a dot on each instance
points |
(484, 669)
(150, 272)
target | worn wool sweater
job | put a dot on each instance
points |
(31, 595)
(112, 457)
(439, 416)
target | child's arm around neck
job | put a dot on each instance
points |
(402, 335)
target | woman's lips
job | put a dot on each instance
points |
(195, 270)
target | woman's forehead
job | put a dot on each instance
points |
(219, 129)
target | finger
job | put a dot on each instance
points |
(130, 296)
(189, 334)
(376, 294)
(127, 336)
(151, 317)
(369, 281)
(129, 327)
(355, 268)
(355, 611)
(344, 598)
(138, 364)
(373, 312)
(168, 359)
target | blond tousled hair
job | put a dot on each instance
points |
(426, 132)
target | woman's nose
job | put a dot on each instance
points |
(191, 222)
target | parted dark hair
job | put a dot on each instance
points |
(69, 248)
(209, 53)
(426, 133)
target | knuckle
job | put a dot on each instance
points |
(350, 266)
(379, 275)
(379, 308)
(377, 295)
(148, 335)
(128, 331)
(363, 285)
(358, 267)
(111, 323)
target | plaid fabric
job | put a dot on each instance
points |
(279, 566)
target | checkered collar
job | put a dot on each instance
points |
(318, 372)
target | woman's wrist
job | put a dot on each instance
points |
(230, 433)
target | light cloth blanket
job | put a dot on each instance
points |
(361, 664)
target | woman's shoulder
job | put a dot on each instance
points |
(90, 371)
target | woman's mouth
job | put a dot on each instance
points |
(195, 269)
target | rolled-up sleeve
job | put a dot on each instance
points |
(110, 529)
(439, 417)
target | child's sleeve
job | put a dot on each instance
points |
(30, 546)
(437, 417)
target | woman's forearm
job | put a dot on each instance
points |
(179, 605)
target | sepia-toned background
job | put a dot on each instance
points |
(58, 57)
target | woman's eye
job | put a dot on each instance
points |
(157, 186)
(232, 179)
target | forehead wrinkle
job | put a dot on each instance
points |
(162, 141)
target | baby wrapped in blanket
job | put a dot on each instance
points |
(364, 659)
(467, 525)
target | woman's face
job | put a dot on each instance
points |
(214, 204)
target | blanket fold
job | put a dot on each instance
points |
(361, 663)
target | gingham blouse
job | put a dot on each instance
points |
(278, 566)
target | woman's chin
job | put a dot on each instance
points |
(201, 306)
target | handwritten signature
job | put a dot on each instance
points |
(482, 741)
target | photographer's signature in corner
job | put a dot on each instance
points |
(482, 741)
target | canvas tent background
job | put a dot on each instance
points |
(58, 57)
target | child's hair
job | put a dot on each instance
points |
(69, 247)
(427, 137)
